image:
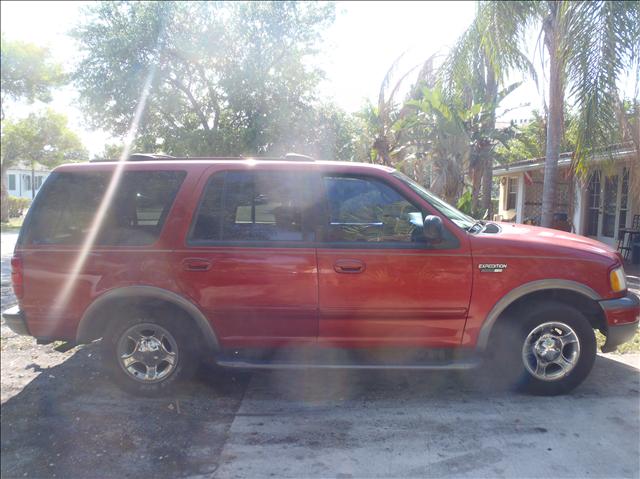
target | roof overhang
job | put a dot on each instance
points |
(538, 163)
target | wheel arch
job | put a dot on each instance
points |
(576, 294)
(91, 326)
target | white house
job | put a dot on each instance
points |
(23, 182)
(598, 207)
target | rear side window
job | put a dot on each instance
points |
(66, 207)
(255, 206)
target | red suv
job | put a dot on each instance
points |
(290, 262)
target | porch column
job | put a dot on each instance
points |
(520, 199)
(580, 191)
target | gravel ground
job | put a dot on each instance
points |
(60, 417)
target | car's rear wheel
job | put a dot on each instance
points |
(549, 351)
(148, 351)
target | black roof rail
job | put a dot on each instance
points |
(149, 156)
(297, 157)
(157, 156)
(137, 157)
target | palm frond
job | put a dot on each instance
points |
(386, 81)
(601, 43)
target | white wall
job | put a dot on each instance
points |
(21, 182)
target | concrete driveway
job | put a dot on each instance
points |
(62, 418)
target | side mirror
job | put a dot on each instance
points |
(433, 229)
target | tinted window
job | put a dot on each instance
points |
(367, 210)
(67, 205)
(251, 206)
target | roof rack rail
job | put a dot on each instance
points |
(297, 157)
(136, 157)
(148, 157)
(157, 156)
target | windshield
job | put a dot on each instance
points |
(455, 215)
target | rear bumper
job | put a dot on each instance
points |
(623, 317)
(14, 318)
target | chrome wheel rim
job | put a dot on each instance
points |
(551, 351)
(147, 352)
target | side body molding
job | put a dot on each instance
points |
(149, 292)
(523, 290)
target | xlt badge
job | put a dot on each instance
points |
(492, 267)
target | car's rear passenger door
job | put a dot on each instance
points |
(381, 282)
(249, 260)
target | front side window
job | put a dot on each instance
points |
(367, 210)
(252, 206)
(458, 217)
(67, 206)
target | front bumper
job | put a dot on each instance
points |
(14, 318)
(623, 317)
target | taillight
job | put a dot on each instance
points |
(17, 276)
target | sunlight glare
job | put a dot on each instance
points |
(87, 245)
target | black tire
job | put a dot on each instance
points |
(183, 339)
(508, 363)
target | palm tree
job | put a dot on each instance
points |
(475, 68)
(438, 127)
(588, 45)
(389, 146)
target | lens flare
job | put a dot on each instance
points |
(88, 243)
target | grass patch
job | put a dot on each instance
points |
(14, 224)
(632, 346)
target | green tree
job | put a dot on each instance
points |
(441, 124)
(28, 73)
(529, 140)
(476, 70)
(229, 78)
(588, 46)
(44, 138)
(111, 151)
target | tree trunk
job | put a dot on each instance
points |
(554, 128)
(476, 177)
(381, 145)
(4, 194)
(486, 149)
(487, 182)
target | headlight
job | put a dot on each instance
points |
(618, 279)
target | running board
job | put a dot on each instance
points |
(345, 359)
(255, 364)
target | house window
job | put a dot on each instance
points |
(512, 193)
(38, 182)
(624, 199)
(26, 181)
(12, 182)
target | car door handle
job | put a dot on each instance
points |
(349, 266)
(196, 264)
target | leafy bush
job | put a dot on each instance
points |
(17, 206)
(464, 203)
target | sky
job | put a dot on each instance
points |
(358, 50)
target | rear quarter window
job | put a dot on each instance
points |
(65, 209)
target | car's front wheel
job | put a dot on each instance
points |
(550, 350)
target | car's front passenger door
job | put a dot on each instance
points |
(380, 282)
